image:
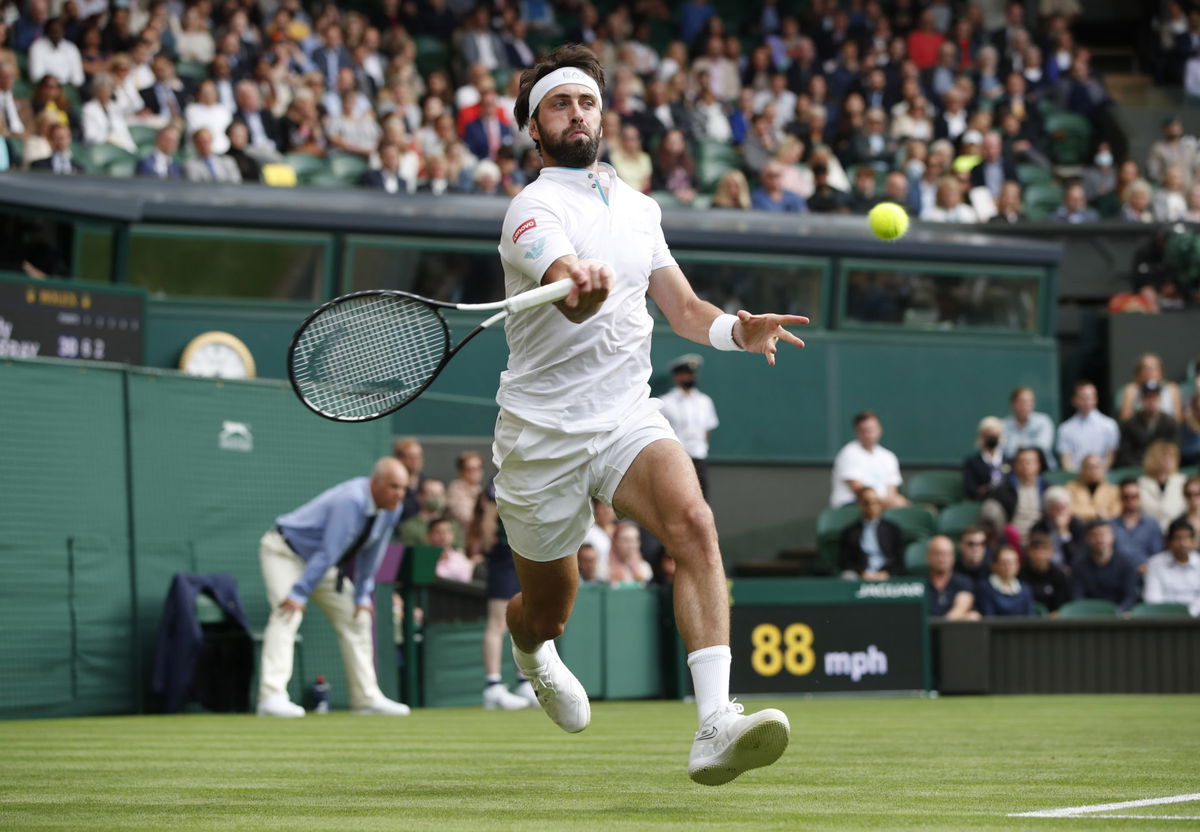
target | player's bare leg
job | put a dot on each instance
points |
(660, 491)
(536, 616)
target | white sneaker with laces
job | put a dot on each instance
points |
(383, 707)
(277, 704)
(729, 743)
(525, 691)
(558, 691)
(498, 697)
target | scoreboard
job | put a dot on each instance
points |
(67, 319)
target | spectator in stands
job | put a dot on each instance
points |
(952, 122)
(588, 565)
(194, 42)
(630, 161)
(1025, 427)
(825, 198)
(950, 594)
(1100, 178)
(925, 42)
(1103, 573)
(486, 134)
(464, 490)
(352, 131)
(239, 142)
(53, 54)
(1136, 205)
(50, 99)
(485, 179)
(895, 188)
(864, 463)
(431, 505)
(1046, 580)
(600, 536)
(1004, 593)
(984, 470)
(1088, 431)
(863, 197)
(437, 179)
(207, 111)
(453, 564)
(914, 122)
(300, 129)
(993, 170)
(1149, 369)
(332, 56)
(1170, 200)
(1191, 497)
(60, 161)
(103, 121)
(1135, 535)
(207, 166)
(1110, 204)
(166, 97)
(674, 170)
(772, 197)
(1066, 532)
(975, 553)
(1020, 493)
(1161, 483)
(762, 142)
(1170, 150)
(626, 565)
(411, 454)
(1149, 424)
(15, 111)
(392, 176)
(1074, 208)
(31, 25)
(871, 548)
(161, 163)
(1091, 495)
(1173, 576)
(732, 191)
(265, 136)
(949, 206)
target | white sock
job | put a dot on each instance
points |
(532, 661)
(492, 679)
(710, 678)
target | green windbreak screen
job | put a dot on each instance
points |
(463, 271)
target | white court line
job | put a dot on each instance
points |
(1154, 817)
(1079, 811)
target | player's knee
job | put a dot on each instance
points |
(693, 525)
(546, 627)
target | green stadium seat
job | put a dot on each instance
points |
(939, 488)
(1115, 475)
(97, 157)
(830, 523)
(192, 70)
(1070, 136)
(1089, 608)
(1031, 174)
(1160, 609)
(1039, 609)
(22, 89)
(305, 166)
(1042, 199)
(347, 168)
(18, 148)
(915, 522)
(713, 160)
(915, 562)
(432, 54)
(143, 135)
(666, 199)
(326, 179)
(121, 167)
(1059, 477)
(954, 519)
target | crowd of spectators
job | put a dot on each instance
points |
(1097, 508)
(962, 112)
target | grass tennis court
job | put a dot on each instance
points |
(853, 764)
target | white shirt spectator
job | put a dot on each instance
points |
(1163, 504)
(711, 119)
(599, 540)
(1170, 582)
(195, 46)
(876, 469)
(692, 415)
(62, 61)
(959, 213)
(106, 126)
(215, 117)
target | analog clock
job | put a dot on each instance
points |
(217, 355)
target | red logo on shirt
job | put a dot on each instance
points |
(522, 228)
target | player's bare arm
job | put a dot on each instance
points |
(592, 279)
(692, 317)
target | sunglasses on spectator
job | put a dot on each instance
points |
(976, 542)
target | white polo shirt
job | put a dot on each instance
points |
(692, 415)
(1168, 581)
(580, 378)
(876, 469)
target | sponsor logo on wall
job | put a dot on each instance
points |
(235, 436)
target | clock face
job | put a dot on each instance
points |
(217, 355)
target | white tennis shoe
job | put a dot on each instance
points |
(525, 691)
(558, 691)
(728, 744)
(383, 707)
(498, 697)
(277, 704)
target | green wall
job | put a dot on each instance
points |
(115, 479)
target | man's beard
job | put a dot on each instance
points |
(574, 152)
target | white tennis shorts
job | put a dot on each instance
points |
(546, 478)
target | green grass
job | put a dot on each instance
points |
(952, 763)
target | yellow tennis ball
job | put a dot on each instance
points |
(888, 220)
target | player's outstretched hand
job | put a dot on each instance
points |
(593, 279)
(761, 333)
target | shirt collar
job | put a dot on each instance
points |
(581, 178)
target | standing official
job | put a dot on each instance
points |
(691, 413)
(328, 550)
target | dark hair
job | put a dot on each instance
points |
(1083, 382)
(864, 415)
(571, 54)
(1041, 455)
(1038, 539)
(1017, 391)
(1127, 481)
(1092, 525)
(1179, 525)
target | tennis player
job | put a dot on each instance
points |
(576, 418)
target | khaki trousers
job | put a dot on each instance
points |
(281, 568)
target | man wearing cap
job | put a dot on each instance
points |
(691, 413)
(576, 418)
(1147, 425)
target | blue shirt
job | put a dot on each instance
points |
(789, 202)
(870, 544)
(940, 601)
(991, 601)
(1037, 433)
(1114, 581)
(1094, 434)
(1140, 542)
(322, 529)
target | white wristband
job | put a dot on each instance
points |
(720, 334)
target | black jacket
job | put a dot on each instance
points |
(851, 556)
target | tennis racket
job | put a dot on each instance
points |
(368, 354)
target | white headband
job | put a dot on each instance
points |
(560, 76)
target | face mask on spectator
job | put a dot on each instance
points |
(991, 442)
(1104, 159)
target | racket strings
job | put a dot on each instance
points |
(369, 354)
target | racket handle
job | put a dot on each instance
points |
(540, 296)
